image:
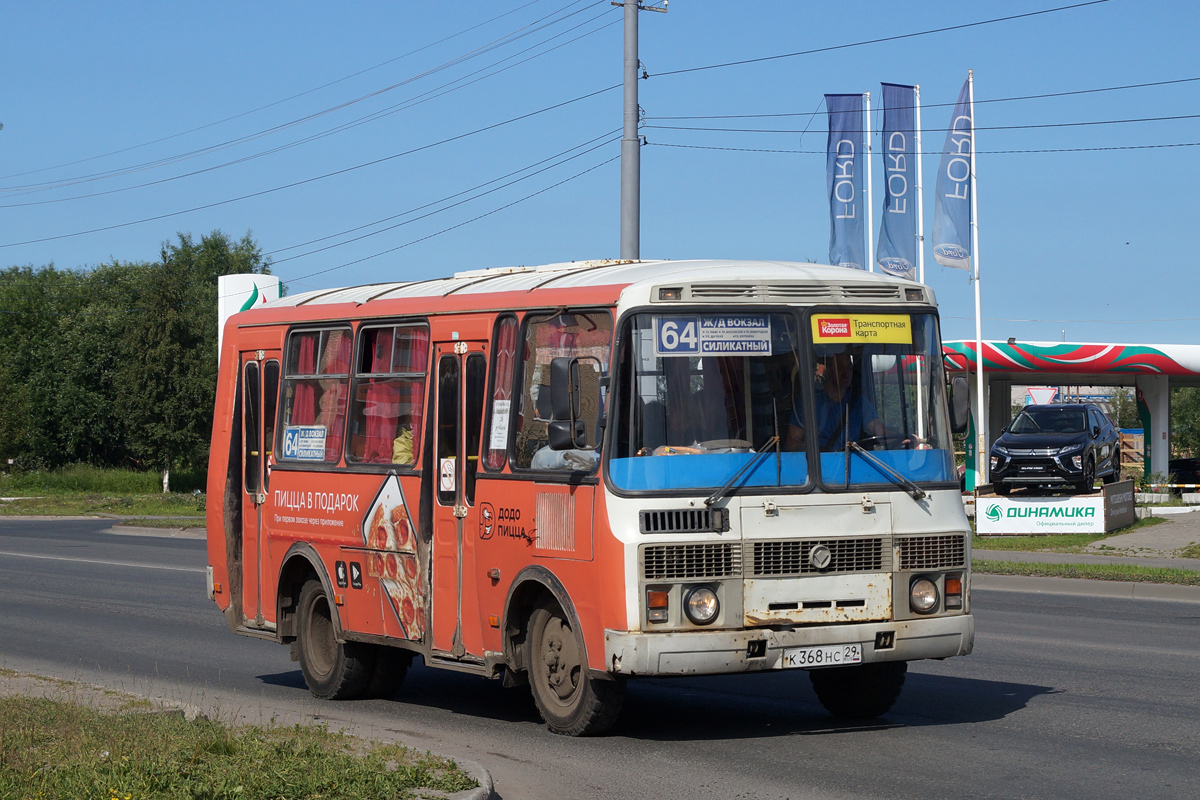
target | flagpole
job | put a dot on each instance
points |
(981, 454)
(920, 191)
(870, 218)
(920, 249)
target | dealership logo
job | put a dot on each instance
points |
(835, 328)
(993, 513)
(951, 251)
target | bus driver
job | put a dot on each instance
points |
(840, 406)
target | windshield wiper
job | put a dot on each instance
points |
(916, 491)
(773, 442)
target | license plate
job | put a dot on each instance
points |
(828, 656)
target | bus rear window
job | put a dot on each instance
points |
(315, 388)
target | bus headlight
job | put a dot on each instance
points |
(923, 596)
(701, 605)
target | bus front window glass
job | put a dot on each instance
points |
(316, 385)
(883, 392)
(389, 394)
(701, 396)
(586, 335)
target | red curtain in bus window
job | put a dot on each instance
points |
(333, 396)
(381, 402)
(413, 356)
(304, 406)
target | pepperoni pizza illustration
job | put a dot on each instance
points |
(389, 533)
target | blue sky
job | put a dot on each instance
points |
(210, 102)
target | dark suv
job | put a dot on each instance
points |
(1056, 445)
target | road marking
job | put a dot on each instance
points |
(105, 563)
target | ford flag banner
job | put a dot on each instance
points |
(843, 179)
(952, 203)
(896, 253)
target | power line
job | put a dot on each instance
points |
(927, 106)
(609, 140)
(877, 41)
(1037, 126)
(459, 225)
(427, 96)
(314, 89)
(936, 152)
(317, 177)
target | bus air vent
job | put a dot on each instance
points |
(790, 558)
(725, 291)
(873, 292)
(684, 520)
(932, 552)
(689, 561)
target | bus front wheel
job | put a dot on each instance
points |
(862, 692)
(333, 670)
(570, 700)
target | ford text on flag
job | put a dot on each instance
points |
(952, 201)
(843, 179)
(896, 252)
(712, 334)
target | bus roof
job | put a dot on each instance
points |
(736, 276)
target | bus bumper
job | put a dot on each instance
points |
(724, 652)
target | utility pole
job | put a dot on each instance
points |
(631, 157)
(631, 143)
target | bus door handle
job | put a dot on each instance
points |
(460, 512)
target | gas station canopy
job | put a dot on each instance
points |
(1152, 369)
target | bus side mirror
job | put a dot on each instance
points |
(960, 403)
(566, 430)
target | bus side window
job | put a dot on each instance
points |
(389, 395)
(503, 359)
(315, 386)
(586, 335)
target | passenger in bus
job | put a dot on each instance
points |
(841, 406)
(402, 445)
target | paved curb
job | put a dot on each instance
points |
(485, 790)
(1085, 588)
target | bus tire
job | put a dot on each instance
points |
(570, 700)
(387, 672)
(333, 670)
(865, 691)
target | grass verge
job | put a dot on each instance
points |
(51, 750)
(97, 480)
(1100, 572)
(185, 506)
(1055, 543)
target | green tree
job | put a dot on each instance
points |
(169, 368)
(1185, 420)
(115, 366)
(1124, 409)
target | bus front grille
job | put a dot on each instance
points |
(789, 558)
(689, 561)
(932, 552)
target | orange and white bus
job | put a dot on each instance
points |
(579, 473)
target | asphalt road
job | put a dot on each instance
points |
(1065, 696)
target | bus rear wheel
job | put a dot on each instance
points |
(333, 670)
(862, 692)
(570, 700)
(387, 672)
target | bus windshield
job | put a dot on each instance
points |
(702, 395)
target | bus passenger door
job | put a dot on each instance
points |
(260, 392)
(461, 388)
